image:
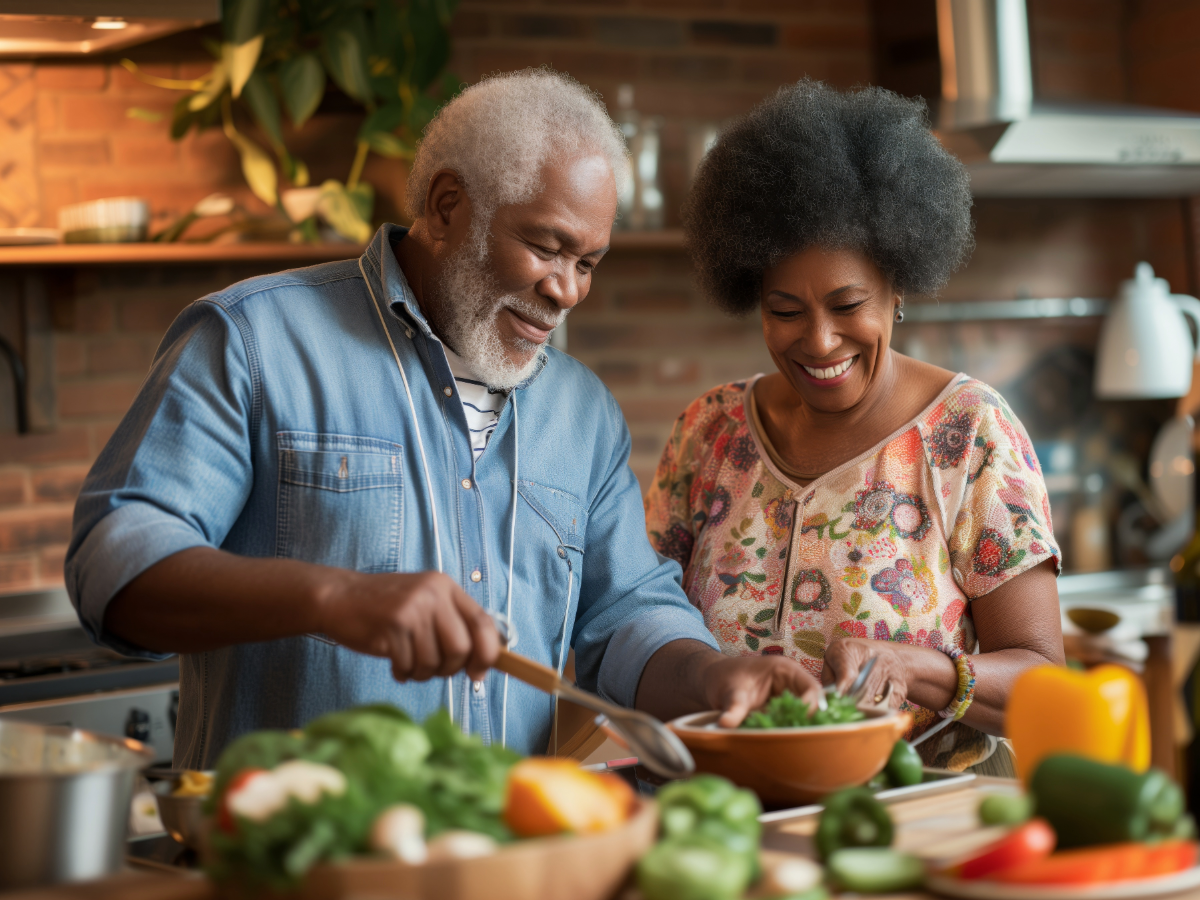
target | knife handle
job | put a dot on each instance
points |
(541, 677)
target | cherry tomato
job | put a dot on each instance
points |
(1024, 844)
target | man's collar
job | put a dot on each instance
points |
(386, 279)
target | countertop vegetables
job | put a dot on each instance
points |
(1101, 714)
(789, 711)
(693, 868)
(852, 818)
(875, 870)
(1098, 865)
(708, 825)
(549, 796)
(1024, 844)
(285, 800)
(1089, 802)
(1005, 809)
(905, 766)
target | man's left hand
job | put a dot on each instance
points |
(739, 684)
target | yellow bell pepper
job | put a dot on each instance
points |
(1101, 714)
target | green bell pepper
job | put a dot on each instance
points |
(852, 818)
(693, 868)
(1089, 802)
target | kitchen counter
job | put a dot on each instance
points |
(934, 826)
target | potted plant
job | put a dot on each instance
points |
(277, 58)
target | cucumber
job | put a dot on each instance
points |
(875, 870)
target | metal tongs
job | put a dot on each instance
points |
(856, 686)
(656, 747)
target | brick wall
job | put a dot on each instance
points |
(65, 135)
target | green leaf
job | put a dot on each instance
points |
(218, 78)
(243, 19)
(343, 210)
(265, 107)
(143, 115)
(386, 118)
(751, 642)
(764, 615)
(758, 489)
(302, 79)
(257, 168)
(748, 541)
(756, 577)
(387, 144)
(865, 614)
(241, 59)
(760, 552)
(345, 59)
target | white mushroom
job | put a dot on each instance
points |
(399, 831)
(258, 798)
(782, 877)
(460, 845)
(307, 781)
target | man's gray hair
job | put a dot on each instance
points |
(498, 134)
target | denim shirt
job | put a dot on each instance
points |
(275, 422)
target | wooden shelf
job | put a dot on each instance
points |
(275, 253)
(152, 254)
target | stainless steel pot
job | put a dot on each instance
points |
(64, 802)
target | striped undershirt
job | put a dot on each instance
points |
(481, 405)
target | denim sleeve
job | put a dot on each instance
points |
(174, 475)
(631, 602)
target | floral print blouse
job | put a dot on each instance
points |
(892, 545)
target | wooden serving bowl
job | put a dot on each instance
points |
(567, 867)
(793, 766)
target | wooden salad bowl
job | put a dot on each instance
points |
(793, 766)
(566, 867)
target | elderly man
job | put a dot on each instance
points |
(333, 477)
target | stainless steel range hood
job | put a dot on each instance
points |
(35, 28)
(1016, 146)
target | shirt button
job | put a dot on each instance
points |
(449, 392)
(477, 686)
(562, 554)
(408, 333)
(466, 483)
(476, 575)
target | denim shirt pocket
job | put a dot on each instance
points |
(563, 512)
(340, 501)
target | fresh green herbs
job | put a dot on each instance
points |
(789, 711)
(386, 758)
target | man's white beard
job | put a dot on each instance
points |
(466, 313)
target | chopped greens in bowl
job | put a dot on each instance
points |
(789, 711)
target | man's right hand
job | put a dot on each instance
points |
(423, 622)
(203, 599)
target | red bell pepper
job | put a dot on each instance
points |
(1024, 844)
(1108, 863)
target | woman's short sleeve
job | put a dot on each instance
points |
(982, 458)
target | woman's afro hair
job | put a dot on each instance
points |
(812, 166)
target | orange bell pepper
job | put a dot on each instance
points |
(1101, 714)
(549, 796)
(1097, 865)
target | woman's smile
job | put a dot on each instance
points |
(833, 374)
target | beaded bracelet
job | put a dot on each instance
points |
(966, 683)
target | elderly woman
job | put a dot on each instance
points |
(855, 503)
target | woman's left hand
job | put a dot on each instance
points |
(845, 657)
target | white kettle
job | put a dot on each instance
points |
(1146, 349)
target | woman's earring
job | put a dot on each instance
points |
(900, 313)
